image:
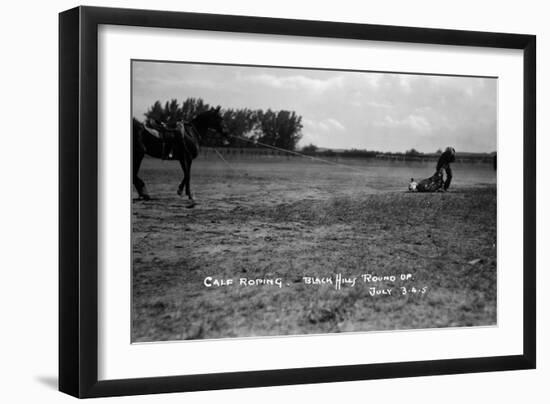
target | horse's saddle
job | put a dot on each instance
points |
(160, 130)
(168, 135)
(151, 131)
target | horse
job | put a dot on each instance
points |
(185, 142)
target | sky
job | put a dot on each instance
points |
(388, 112)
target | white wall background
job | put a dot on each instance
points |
(28, 198)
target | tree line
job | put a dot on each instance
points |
(248, 126)
(276, 128)
(313, 150)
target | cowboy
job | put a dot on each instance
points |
(444, 163)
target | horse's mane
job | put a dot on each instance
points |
(211, 112)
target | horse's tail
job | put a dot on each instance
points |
(137, 127)
(137, 135)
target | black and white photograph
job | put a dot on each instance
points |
(275, 201)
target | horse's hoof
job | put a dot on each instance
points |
(146, 197)
(179, 191)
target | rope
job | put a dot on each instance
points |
(299, 154)
(224, 160)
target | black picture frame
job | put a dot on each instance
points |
(78, 200)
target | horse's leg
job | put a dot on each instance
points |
(138, 182)
(186, 167)
(188, 181)
(182, 183)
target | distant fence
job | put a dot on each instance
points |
(458, 159)
(245, 152)
(261, 153)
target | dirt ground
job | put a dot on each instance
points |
(290, 246)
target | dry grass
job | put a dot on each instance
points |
(283, 221)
